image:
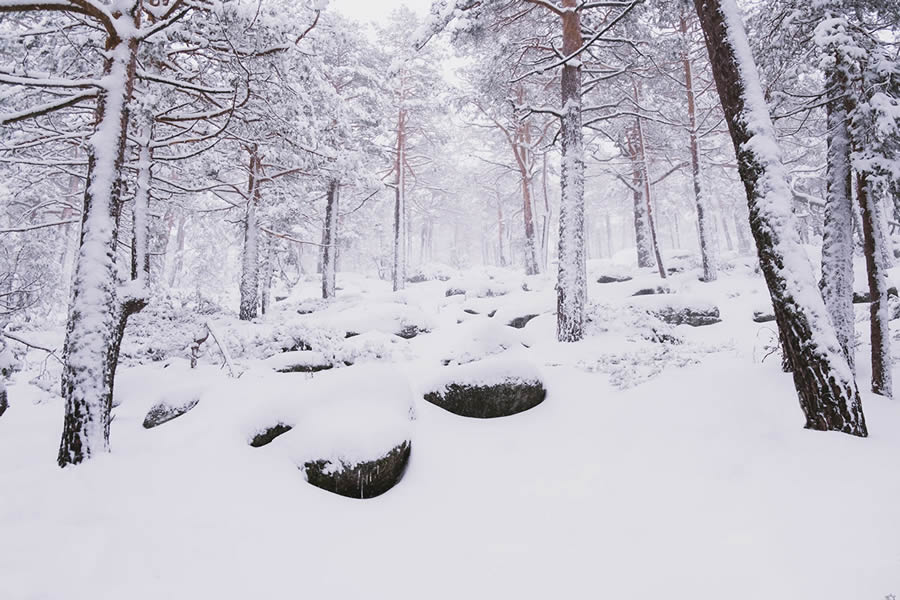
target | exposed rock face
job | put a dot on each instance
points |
(363, 480)
(653, 291)
(688, 315)
(520, 322)
(760, 316)
(613, 278)
(163, 412)
(305, 368)
(266, 436)
(4, 399)
(410, 331)
(488, 401)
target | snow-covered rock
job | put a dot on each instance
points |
(166, 410)
(360, 480)
(495, 387)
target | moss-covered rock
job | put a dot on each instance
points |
(362, 480)
(488, 401)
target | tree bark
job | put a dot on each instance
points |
(89, 369)
(329, 240)
(823, 379)
(837, 241)
(873, 240)
(250, 259)
(572, 277)
(648, 197)
(398, 274)
(705, 229)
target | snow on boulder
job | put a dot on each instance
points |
(352, 430)
(472, 340)
(763, 316)
(431, 272)
(168, 409)
(300, 361)
(676, 309)
(652, 291)
(495, 387)
(4, 401)
(267, 435)
(387, 317)
(360, 480)
(613, 278)
(520, 322)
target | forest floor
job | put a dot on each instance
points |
(667, 461)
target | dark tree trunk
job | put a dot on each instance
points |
(822, 376)
(878, 288)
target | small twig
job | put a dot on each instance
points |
(16, 338)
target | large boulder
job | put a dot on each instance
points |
(490, 388)
(362, 480)
(166, 410)
(349, 431)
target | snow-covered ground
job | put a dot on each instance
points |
(666, 461)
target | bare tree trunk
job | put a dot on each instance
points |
(87, 382)
(531, 261)
(706, 231)
(329, 256)
(878, 288)
(571, 286)
(642, 238)
(267, 269)
(250, 258)
(648, 197)
(822, 376)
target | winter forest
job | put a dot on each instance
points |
(449, 299)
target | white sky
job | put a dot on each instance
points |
(375, 10)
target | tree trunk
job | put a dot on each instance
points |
(250, 258)
(572, 277)
(822, 376)
(89, 369)
(878, 288)
(642, 240)
(648, 197)
(705, 229)
(398, 274)
(329, 241)
(524, 155)
(837, 241)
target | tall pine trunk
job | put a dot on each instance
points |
(571, 286)
(705, 228)
(648, 195)
(89, 369)
(250, 258)
(398, 273)
(878, 287)
(329, 241)
(837, 241)
(823, 378)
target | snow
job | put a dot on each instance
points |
(647, 460)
